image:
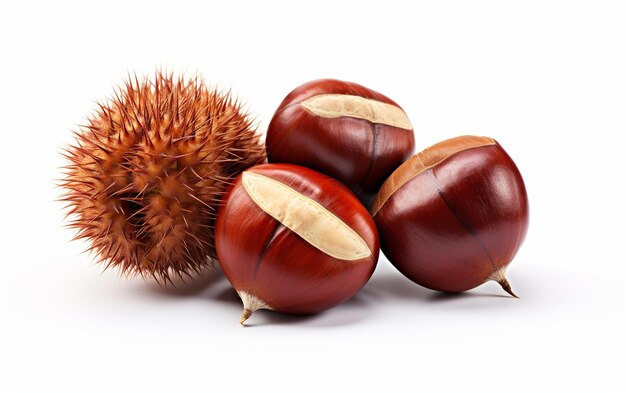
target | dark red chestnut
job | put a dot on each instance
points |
(293, 240)
(342, 129)
(453, 216)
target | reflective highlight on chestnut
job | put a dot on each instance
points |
(344, 130)
(453, 216)
(293, 240)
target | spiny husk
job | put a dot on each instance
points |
(147, 172)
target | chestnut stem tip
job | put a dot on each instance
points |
(245, 315)
(507, 287)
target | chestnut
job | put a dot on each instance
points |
(344, 130)
(293, 240)
(453, 216)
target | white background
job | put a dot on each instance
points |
(547, 79)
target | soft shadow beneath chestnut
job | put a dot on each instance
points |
(269, 318)
(228, 295)
(398, 286)
(447, 296)
(350, 312)
(188, 286)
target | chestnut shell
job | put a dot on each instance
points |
(359, 153)
(262, 257)
(452, 224)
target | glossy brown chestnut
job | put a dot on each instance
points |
(293, 240)
(342, 129)
(453, 216)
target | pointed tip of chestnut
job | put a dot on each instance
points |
(251, 303)
(244, 316)
(499, 277)
(507, 287)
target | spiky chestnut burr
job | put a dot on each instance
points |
(148, 170)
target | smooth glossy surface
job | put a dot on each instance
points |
(360, 149)
(454, 216)
(263, 258)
